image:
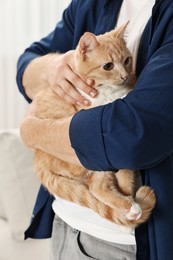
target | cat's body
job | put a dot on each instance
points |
(105, 59)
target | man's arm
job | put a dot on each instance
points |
(49, 135)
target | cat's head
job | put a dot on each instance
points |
(104, 58)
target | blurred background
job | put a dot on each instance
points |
(21, 23)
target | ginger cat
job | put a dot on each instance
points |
(114, 196)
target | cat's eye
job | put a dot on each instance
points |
(108, 66)
(127, 61)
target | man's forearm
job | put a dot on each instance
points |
(35, 75)
(49, 135)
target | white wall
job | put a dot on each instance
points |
(21, 23)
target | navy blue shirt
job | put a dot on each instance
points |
(134, 133)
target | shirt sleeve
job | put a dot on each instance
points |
(135, 132)
(60, 39)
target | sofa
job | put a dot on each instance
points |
(18, 191)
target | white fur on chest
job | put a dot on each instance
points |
(106, 94)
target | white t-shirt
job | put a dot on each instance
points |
(84, 219)
(138, 13)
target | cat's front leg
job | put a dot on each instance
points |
(104, 186)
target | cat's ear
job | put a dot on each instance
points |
(87, 43)
(121, 30)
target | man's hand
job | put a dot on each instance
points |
(64, 81)
(57, 72)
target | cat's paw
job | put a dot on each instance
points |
(134, 213)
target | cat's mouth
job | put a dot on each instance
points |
(122, 80)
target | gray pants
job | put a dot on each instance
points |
(70, 244)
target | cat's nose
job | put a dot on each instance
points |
(124, 77)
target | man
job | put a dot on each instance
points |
(134, 133)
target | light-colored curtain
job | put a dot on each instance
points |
(21, 23)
